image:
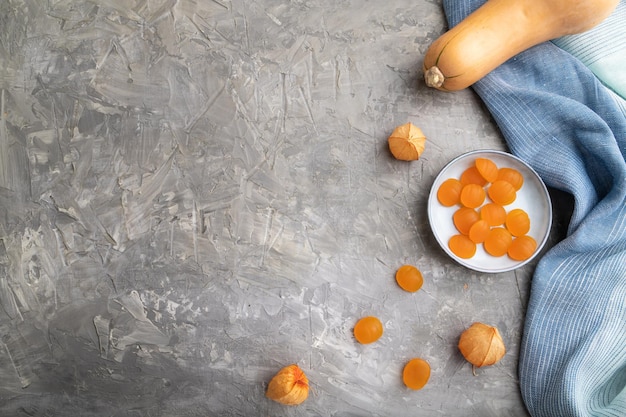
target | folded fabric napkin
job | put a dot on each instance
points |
(556, 115)
(603, 49)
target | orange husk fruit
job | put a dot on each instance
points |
(289, 386)
(407, 142)
(481, 345)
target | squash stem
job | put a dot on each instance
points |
(434, 77)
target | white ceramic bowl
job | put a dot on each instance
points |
(533, 197)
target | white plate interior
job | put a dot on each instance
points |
(533, 197)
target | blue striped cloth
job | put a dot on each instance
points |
(557, 115)
(603, 49)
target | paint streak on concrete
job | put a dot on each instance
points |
(194, 194)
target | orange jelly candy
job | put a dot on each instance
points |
(522, 248)
(498, 241)
(472, 176)
(478, 231)
(449, 192)
(464, 218)
(368, 330)
(487, 222)
(472, 195)
(517, 222)
(502, 192)
(416, 373)
(487, 169)
(409, 278)
(462, 246)
(512, 176)
(494, 214)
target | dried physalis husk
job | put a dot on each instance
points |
(289, 386)
(407, 142)
(481, 345)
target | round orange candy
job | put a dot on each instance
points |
(464, 218)
(517, 222)
(502, 192)
(449, 192)
(478, 231)
(487, 169)
(522, 248)
(462, 246)
(472, 176)
(494, 214)
(512, 176)
(416, 373)
(368, 330)
(409, 278)
(498, 241)
(472, 195)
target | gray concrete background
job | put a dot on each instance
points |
(197, 193)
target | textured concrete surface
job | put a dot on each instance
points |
(197, 193)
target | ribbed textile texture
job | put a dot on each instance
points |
(556, 115)
(603, 49)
